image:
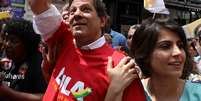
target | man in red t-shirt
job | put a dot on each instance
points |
(82, 53)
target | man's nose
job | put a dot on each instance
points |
(78, 14)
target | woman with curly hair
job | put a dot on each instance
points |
(23, 80)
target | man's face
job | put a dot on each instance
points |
(84, 22)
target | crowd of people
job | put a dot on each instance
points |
(74, 55)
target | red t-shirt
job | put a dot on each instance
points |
(77, 69)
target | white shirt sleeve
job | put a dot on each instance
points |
(47, 23)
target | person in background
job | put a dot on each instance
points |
(82, 56)
(195, 74)
(65, 12)
(195, 50)
(197, 32)
(131, 32)
(118, 39)
(23, 79)
(108, 38)
(194, 53)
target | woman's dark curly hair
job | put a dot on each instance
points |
(145, 38)
(24, 30)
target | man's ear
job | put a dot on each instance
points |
(103, 21)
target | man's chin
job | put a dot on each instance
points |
(77, 33)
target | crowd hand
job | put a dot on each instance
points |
(46, 65)
(12, 95)
(123, 74)
(49, 59)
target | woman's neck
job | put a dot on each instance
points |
(162, 89)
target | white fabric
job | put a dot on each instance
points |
(47, 22)
(96, 44)
(156, 6)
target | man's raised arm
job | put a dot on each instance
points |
(39, 6)
(47, 18)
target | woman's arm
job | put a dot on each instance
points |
(120, 78)
(10, 94)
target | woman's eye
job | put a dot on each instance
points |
(164, 46)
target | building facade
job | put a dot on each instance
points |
(128, 12)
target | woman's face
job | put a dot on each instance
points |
(168, 57)
(15, 48)
(130, 36)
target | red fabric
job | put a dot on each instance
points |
(82, 69)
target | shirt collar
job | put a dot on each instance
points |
(96, 44)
